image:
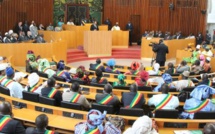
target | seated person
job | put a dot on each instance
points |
(10, 125)
(34, 85)
(31, 61)
(207, 65)
(205, 80)
(63, 71)
(94, 124)
(202, 60)
(73, 95)
(171, 69)
(167, 80)
(14, 86)
(185, 82)
(155, 70)
(98, 65)
(110, 68)
(107, 98)
(40, 39)
(159, 100)
(99, 79)
(182, 67)
(143, 125)
(121, 81)
(209, 128)
(193, 57)
(134, 69)
(207, 52)
(41, 123)
(133, 99)
(45, 67)
(142, 80)
(52, 92)
(3, 66)
(199, 102)
(196, 68)
(115, 27)
(81, 75)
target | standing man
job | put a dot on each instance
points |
(108, 22)
(208, 37)
(130, 28)
(161, 49)
(94, 26)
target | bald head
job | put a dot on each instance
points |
(205, 76)
(133, 88)
(5, 108)
(108, 88)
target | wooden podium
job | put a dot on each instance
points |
(98, 43)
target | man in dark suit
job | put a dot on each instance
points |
(199, 39)
(108, 22)
(98, 65)
(94, 26)
(129, 97)
(179, 36)
(107, 98)
(11, 126)
(161, 49)
(41, 124)
(208, 37)
(130, 28)
(51, 92)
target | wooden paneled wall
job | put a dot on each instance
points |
(13, 11)
(156, 15)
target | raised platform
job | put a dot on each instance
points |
(133, 52)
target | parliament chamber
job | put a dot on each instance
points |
(117, 44)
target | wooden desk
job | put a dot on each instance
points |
(120, 39)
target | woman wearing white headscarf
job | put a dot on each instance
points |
(143, 125)
(155, 70)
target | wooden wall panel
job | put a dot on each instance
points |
(156, 15)
(13, 11)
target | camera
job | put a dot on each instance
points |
(152, 44)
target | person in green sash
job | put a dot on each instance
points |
(121, 81)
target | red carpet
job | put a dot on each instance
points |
(133, 52)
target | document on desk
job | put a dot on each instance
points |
(188, 132)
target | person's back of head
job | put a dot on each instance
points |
(133, 88)
(99, 73)
(197, 63)
(9, 72)
(183, 63)
(51, 82)
(5, 108)
(98, 61)
(41, 121)
(209, 128)
(75, 87)
(170, 65)
(205, 76)
(108, 88)
(165, 89)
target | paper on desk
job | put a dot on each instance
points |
(19, 75)
(188, 132)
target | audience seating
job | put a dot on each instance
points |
(204, 115)
(145, 88)
(58, 78)
(137, 112)
(77, 80)
(70, 105)
(34, 97)
(42, 74)
(4, 90)
(161, 113)
(102, 108)
(47, 101)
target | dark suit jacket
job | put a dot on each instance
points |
(13, 127)
(31, 130)
(129, 28)
(58, 96)
(114, 102)
(93, 67)
(127, 98)
(161, 51)
(92, 28)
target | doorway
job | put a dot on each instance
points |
(135, 20)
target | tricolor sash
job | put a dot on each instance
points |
(199, 107)
(33, 89)
(136, 72)
(164, 102)
(174, 71)
(8, 82)
(52, 93)
(114, 70)
(2, 78)
(147, 83)
(135, 100)
(93, 131)
(98, 66)
(60, 73)
(189, 83)
(101, 80)
(49, 132)
(210, 83)
(45, 69)
(4, 120)
(106, 100)
(75, 98)
(159, 73)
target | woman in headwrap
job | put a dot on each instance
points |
(171, 69)
(134, 68)
(142, 80)
(62, 71)
(202, 60)
(44, 66)
(155, 70)
(193, 57)
(199, 102)
(121, 81)
(168, 80)
(99, 79)
(143, 125)
(110, 68)
(80, 74)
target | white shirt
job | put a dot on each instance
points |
(70, 23)
(115, 28)
(209, 53)
(38, 90)
(15, 88)
(156, 99)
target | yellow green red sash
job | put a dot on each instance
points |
(159, 73)
(147, 83)
(75, 98)
(98, 66)
(34, 88)
(210, 83)
(4, 120)
(45, 69)
(164, 101)
(106, 100)
(174, 71)
(49, 132)
(136, 72)
(199, 107)
(2, 78)
(52, 93)
(135, 100)
(101, 80)
(60, 73)
(189, 83)
(8, 82)
(114, 70)
(93, 131)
